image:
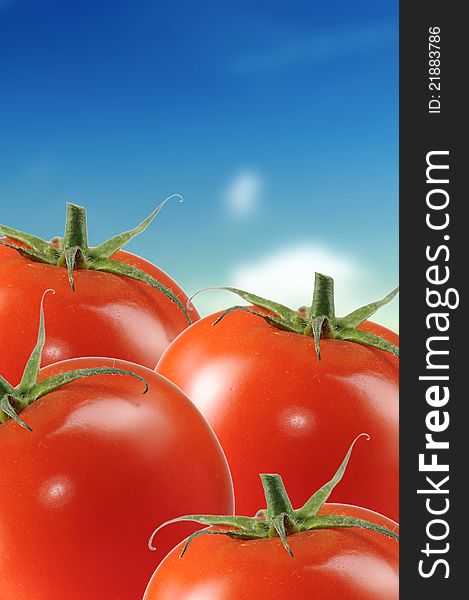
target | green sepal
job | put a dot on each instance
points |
(362, 314)
(279, 525)
(111, 246)
(26, 253)
(337, 521)
(5, 387)
(282, 311)
(319, 498)
(318, 326)
(73, 252)
(31, 371)
(366, 338)
(319, 320)
(57, 381)
(108, 265)
(8, 410)
(38, 245)
(272, 320)
(244, 523)
(280, 519)
(70, 255)
(236, 535)
(15, 399)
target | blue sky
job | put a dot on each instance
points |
(277, 122)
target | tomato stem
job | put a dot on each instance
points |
(73, 252)
(76, 231)
(319, 320)
(277, 500)
(280, 519)
(323, 304)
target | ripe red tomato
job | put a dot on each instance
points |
(273, 405)
(109, 303)
(81, 493)
(107, 315)
(331, 564)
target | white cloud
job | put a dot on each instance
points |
(287, 276)
(243, 194)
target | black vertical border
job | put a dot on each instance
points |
(421, 132)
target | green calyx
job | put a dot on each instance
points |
(280, 519)
(73, 252)
(13, 400)
(318, 320)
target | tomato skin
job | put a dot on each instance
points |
(104, 466)
(108, 315)
(271, 404)
(332, 564)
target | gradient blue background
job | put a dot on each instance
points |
(276, 120)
